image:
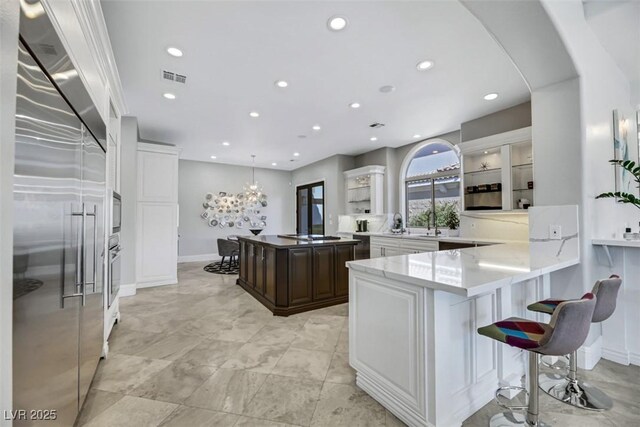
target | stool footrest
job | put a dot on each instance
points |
(501, 400)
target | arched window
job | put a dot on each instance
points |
(430, 183)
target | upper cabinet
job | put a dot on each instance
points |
(157, 173)
(497, 172)
(364, 189)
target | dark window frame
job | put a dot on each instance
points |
(308, 188)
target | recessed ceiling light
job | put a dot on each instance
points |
(373, 138)
(416, 136)
(424, 65)
(274, 164)
(316, 127)
(435, 152)
(337, 23)
(174, 51)
(226, 143)
(490, 96)
(254, 114)
(354, 105)
(213, 157)
(387, 89)
(281, 83)
(169, 95)
(296, 154)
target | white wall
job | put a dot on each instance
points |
(8, 66)
(198, 240)
(128, 190)
(330, 171)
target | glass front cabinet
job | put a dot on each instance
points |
(497, 172)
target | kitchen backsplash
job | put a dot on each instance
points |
(507, 226)
(377, 223)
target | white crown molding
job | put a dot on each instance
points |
(158, 148)
(365, 170)
(497, 140)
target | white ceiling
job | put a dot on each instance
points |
(235, 51)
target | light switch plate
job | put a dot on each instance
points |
(555, 232)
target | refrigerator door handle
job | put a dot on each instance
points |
(79, 264)
(83, 248)
(95, 249)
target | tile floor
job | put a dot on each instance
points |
(205, 353)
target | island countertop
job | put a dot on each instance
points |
(283, 242)
(470, 271)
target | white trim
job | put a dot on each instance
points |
(589, 355)
(634, 358)
(164, 282)
(616, 356)
(197, 258)
(364, 171)
(405, 166)
(127, 290)
(158, 148)
(497, 140)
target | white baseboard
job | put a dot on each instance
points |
(634, 358)
(196, 258)
(127, 290)
(589, 356)
(164, 282)
(620, 357)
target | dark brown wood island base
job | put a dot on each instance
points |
(291, 275)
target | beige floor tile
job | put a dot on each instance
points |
(340, 371)
(171, 347)
(315, 336)
(174, 383)
(285, 400)
(133, 411)
(346, 405)
(97, 401)
(132, 342)
(121, 373)
(392, 420)
(255, 357)
(343, 341)
(186, 416)
(301, 363)
(275, 335)
(240, 330)
(211, 352)
(256, 422)
(227, 390)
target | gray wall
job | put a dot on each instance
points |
(128, 189)
(516, 117)
(199, 178)
(329, 170)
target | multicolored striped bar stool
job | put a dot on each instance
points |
(568, 388)
(565, 333)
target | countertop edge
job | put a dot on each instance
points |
(616, 242)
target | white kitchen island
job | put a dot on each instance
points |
(413, 321)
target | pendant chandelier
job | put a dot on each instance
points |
(253, 192)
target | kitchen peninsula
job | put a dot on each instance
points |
(291, 274)
(413, 320)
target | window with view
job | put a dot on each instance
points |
(432, 185)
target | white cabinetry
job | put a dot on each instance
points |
(365, 190)
(392, 246)
(157, 215)
(497, 171)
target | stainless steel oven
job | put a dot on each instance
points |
(113, 273)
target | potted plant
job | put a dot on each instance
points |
(452, 220)
(622, 197)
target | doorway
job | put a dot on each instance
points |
(310, 208)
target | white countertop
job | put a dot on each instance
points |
(616, 242)
(470, 271)
(458, 239)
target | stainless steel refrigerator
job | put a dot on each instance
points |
(59, 245)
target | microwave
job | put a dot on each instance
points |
(116, 212)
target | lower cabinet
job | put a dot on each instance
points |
(295, 279)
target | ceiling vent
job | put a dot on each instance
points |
(376, 125)
(174, 77)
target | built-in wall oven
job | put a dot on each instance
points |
(116, 211)
(113, 272)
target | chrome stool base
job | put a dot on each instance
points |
(575, 393)
(561, 364)
(509, 419)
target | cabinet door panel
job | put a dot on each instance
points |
(323, 272)
(251, 262)
(343, 254)
(259, 280)
(270, 274)
(300, 276)
(157, 242)
(242, 258)
(157, 177)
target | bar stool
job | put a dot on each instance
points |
(568, 388)
(566, 332)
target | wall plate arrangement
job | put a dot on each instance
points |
(234, 210)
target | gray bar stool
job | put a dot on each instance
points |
(568, 388)
(566, 332)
